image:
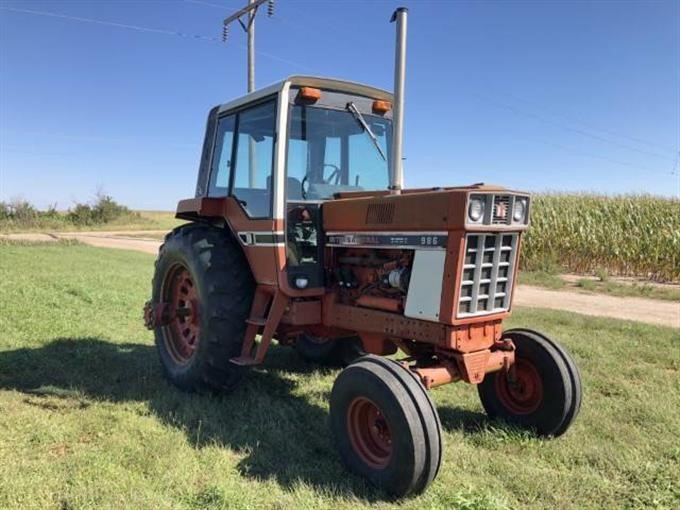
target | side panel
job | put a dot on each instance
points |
(424, 297)
(259, 239)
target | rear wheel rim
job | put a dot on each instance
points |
(182, 333)
(369, 433)
(523, 393)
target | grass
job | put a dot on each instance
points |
(545, 279)
(87, 420)
(554, 281)
(635, 289)
(164, 220)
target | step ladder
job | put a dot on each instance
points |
(268, 307)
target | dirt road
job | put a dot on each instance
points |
(125, 240)
(651, 311)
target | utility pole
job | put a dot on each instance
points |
(251, 47)
(249, 28)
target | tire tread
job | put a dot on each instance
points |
(220, 269)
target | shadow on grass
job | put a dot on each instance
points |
(282, 433)
(470, 422)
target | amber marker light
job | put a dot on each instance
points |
(380, 106)
(309, 94)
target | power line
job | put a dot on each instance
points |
(139, 28)
(675, 164)
(589, 154)
(207, 4)
(306, 27)
(271, 56)
(545, 120)
(327, 34)
(596, 128)
(249, 12)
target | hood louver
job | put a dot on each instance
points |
(379, 214)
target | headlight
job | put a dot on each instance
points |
(519, 210)
(476, 209)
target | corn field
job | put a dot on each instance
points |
(630, 235)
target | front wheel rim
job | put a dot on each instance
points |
(182, 333)
(369, 433)
(523, 393)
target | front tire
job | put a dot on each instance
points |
(572, 369)
(205, 280)
(386, 428)
(545, 394)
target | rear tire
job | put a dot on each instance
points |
(386, 428)
(202, 271)
(546, 394)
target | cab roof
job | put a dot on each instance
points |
(348, 87)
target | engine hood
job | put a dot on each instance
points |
(431, 209)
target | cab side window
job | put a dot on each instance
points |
(254, 158)
(220, 168)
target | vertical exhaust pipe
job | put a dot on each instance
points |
(397, 180)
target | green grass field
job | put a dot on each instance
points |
(649, 290)
(87, 421)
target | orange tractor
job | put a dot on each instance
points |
(300, 232)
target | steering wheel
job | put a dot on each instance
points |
(335, 174)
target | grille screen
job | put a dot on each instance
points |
(487, 273)
(501, 210)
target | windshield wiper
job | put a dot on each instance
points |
(360, 119)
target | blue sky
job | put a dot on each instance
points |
(577, 96)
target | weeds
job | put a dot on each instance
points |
(20, 214)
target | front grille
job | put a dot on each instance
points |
(501, 210)
(487, 274)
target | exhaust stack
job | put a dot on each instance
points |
(397, 178)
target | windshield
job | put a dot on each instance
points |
(329, 151)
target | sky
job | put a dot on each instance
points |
(112, 95)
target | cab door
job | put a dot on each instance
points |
(242, 171)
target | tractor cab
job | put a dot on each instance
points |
(270, 160)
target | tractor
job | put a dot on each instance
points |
(300, 232)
